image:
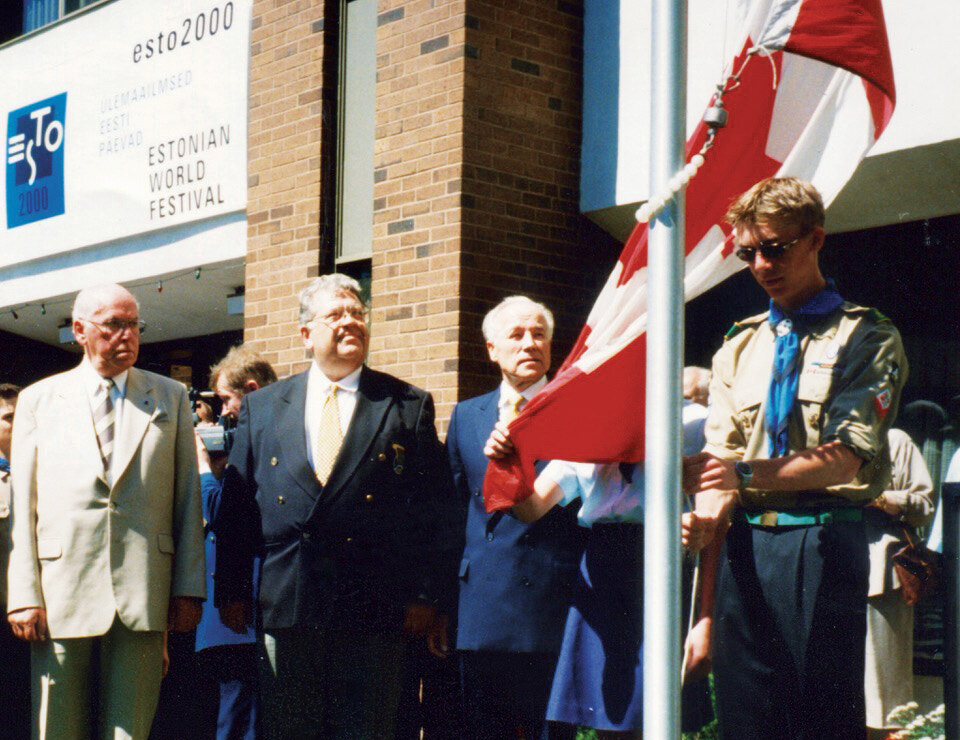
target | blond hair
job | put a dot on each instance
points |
(783, 201)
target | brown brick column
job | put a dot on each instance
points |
(477, 194)
(417, 201)
(290, 161)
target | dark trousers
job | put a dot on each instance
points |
(505, 695)
(14, 683)
(329, 684)
(429, 695)
(790, 630)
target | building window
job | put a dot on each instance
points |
(355, 130)
(39, 13)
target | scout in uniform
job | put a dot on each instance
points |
(802, 399)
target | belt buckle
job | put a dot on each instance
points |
(768, 519)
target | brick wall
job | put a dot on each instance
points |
(417, 199)
(290, 163)
(476, 174)
(478, 155)
(523, 232)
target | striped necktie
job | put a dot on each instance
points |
(329, 437)
(104, 421)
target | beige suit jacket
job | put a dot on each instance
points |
(87, 552)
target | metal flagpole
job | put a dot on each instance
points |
(662, 557)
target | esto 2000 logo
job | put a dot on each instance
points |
(35, 146)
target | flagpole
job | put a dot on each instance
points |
(662, 557)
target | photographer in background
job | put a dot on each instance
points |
(228, 657)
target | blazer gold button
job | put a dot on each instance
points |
(273, 461)
(349, 539)
(280, 499)
(382, 456)
(369, 497)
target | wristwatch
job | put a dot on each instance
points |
(744, 471)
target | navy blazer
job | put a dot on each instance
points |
(516, 580)
(355, 550)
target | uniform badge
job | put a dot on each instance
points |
(397, 458)
(882, 401)
(784, 327)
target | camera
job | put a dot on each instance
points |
(218, 439)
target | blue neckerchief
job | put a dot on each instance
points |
(785, 374)
(4, 465)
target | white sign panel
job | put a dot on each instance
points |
(127, 119)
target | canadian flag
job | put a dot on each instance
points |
(815, 90)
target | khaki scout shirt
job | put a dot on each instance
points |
(852, 369)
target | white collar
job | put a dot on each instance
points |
(349, 383)
(508, 392)
(92, 379)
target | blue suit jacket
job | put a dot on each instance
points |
(516, 580)
(355, 550)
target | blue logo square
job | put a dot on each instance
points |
(35, 147)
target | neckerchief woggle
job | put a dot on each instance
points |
(785, 374)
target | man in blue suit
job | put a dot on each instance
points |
(515, 579)
(338, 479)
(228, 658)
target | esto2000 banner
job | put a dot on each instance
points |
(123, 120)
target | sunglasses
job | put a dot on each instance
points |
(770, 250)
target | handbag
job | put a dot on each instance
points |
(918, 569)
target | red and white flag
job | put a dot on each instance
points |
(815, 92)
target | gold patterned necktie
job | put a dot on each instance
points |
(329, 436)
(511, 409)
(104, 419)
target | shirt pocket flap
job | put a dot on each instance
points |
(49, 549)
(814, 387)
(750, 397)
(165, 543)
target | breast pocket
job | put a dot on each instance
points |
(813, 390)
(748, 410)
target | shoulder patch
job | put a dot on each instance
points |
(733, 331)
(878, 316)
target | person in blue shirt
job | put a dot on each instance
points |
(231, 658)
(599, 677)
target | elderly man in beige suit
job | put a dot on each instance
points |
(107, 531)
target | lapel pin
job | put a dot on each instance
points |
(397, 458)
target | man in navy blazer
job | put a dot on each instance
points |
(348, 535)
(515, 579)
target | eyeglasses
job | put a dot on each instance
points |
(115, 326)
(771, 250)
(338, 315)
